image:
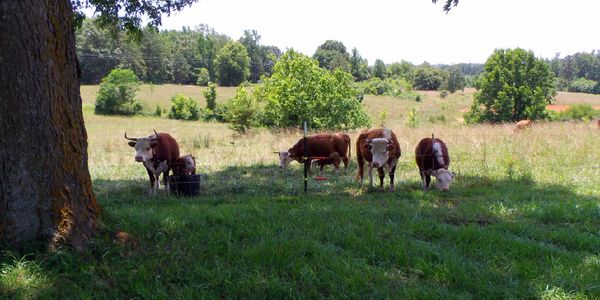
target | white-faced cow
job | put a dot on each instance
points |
(184, 165)
(157, 152)
(319, 145)
(433, 160)
(379, 148)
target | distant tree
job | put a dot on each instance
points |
(426, 77)
(402, 69)
(232, 64)
(379, 69)
(568, 70)
(117, 94)
(514, 86)
(331, 51)
(455, 80)
(270, 55)
(156, 55)
(181, 70)
(299, 90)
(359, 67)
(251, 40)
(96, 50)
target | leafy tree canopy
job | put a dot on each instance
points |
(300, 90)
(514, 86)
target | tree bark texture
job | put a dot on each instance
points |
(45, 187)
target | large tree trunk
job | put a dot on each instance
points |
(45, 186)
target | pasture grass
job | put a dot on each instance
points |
(522, 219)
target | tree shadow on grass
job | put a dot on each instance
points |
(253, 232)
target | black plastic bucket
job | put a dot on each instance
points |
(185, 185)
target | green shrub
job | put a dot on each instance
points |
(242, 110)
(444, 94)
(158, 111)
(413, 119)
(184, 108)
(203, 77)
(210, 94)
(581, 112)
(117, 94)
(582, 85)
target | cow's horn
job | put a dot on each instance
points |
(368, 141)
(276, 152)
(155, 134)
(132, 139)
(389, 140)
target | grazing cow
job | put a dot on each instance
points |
(380, 148)
(184, 165)
(157, 152)
(433, 160)
(319, 145)
(523, 124)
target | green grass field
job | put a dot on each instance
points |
(522, 219)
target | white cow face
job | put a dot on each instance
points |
(144, 148)
(189, 164)
(284, 159)
(444, 178)
(380, 149)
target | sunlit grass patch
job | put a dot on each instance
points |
(22, 279)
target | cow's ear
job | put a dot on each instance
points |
(434, 172)
(390, 147)
(132, 144)
(368, 146)
(153, 144)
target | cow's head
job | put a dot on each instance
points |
(285, 158)
(188, 163)
(144, 147)
(380, 150)
(444, 178)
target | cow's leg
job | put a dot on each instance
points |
(360, 172)
(423, 180)
(152, 180)
(336, 165)
(381, 176)
(346, 161)
(392, 171)
(370, 174)
(427, 181)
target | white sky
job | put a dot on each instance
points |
(413, 30)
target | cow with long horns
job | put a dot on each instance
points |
(157, 152)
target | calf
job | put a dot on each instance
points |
(380, 148)
(157, 152)
(433, 159)
(319, 145)
(184, 165)
(333, 159)
(523, 124)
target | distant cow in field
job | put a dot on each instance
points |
(433, 160)
(379, 148)
(523, 124)
(157, 152)
(319, 145)
(184, 165)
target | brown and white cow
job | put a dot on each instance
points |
(157, 152)
(379, 148)
(184, 165)
(433, 160)
(523, 124)
(319, 145)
